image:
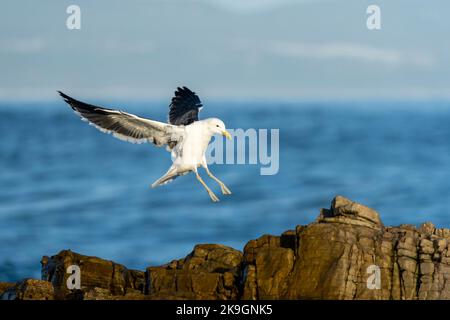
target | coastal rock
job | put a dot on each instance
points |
(269, 261)
(29, 289)
(345, 211)
(346, 253)
(210, 271)
(95, 274)
(339, 256)
(4, 286)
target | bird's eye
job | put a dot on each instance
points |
(217, 125)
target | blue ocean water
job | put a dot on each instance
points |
(63, 184)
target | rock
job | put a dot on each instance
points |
(94, 273)
(346, 254)
(426, 246)
(346, 211)
(105, 294)
(4, 286)
(332, 259)
(269, 261)
(29, 289)
(427, 228)
(210, 271)
(274, 265)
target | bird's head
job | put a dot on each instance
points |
(218, 127)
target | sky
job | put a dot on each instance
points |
(225, 49)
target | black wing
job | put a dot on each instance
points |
(125, 126)
(184, 107)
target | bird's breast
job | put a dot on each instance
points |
(194, 145)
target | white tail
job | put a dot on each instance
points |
(168, 177)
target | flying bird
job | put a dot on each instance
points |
(185, 136)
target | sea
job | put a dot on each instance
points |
(66, 185)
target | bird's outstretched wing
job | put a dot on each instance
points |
(126, 126)
(184, 108)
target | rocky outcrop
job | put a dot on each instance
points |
(100, 279)
(211, 271)
(28, 289)
(346, 253)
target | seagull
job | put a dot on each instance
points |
(185, 136)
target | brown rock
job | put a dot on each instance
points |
(345, 211)
(427, 228)
(29, 289)
(211, 271)
(4, 286)
(95, 273)
(273, 266)
(333, 259)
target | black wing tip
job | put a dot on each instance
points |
(186, 92)
(65, 97)
(62, 94)
(183, 89)
(75, 104)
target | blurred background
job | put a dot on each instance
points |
(361, 113)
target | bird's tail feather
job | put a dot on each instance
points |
(168, 177)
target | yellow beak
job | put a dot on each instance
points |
(226, 134)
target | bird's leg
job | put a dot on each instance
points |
(211, 194)
(224, 188)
